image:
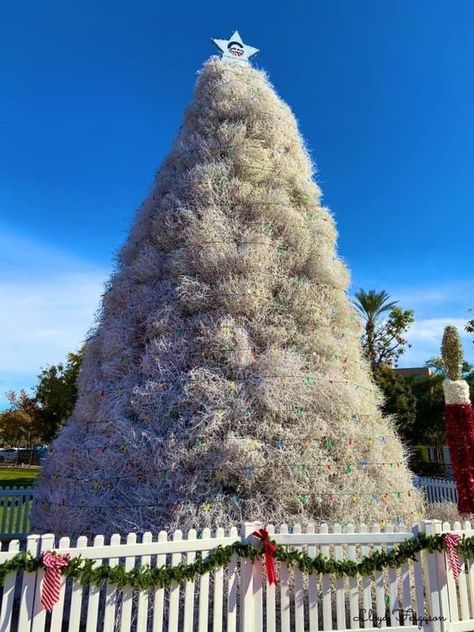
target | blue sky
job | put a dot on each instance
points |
(93, 93)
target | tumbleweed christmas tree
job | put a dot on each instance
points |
(225, 379)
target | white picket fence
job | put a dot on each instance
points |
(455, 603)
(15, 503)
(437, 490)
(238, 598)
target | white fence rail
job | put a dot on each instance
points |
(437, 490)
(238, 598)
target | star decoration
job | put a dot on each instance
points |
(234, 49)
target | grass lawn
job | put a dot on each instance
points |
(14, 517)
(14, 510)
(18, 476)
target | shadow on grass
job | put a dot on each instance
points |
(17, 476)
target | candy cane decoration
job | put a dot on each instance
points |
(53, 563)
(451, 541)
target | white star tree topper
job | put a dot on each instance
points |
(234, 49)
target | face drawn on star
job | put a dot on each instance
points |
(235, 48)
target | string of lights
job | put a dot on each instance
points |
(249, 203)
(297, 413)
(311, 216)
(249, 471)
(327, 442)
(181, 150)
(234, 296)
(297, 280)
(271, 241)
(281, 249)
(308, 380)
(305, 498)
(337, 334)
(173, 415)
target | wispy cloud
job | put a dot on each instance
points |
(48, 300)
(425, 337)
(435, 307)
(458, 295)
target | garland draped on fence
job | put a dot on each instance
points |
(144, 577)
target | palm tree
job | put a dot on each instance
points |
(372, 305)
(470, 324)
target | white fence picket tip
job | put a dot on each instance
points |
(426, 585)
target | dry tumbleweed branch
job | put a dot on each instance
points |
(225, 379)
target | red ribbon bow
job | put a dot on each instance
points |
(269, 549)
(451, 541)
(53, 563)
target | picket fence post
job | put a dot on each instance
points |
(29, 587)
(437, 587)
(250, 620)
(441, 563)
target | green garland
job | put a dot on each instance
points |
(144, 577)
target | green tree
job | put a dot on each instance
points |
(399, 400)
(428, 392)
(56, 393)
(385, 327)
(429, 423)
(19, 425)
(438, 369)
(470, 325)
(437, 366)
(15, 427)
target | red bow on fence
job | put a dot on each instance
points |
(269, 549)
(451, 541)
(53, 563)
